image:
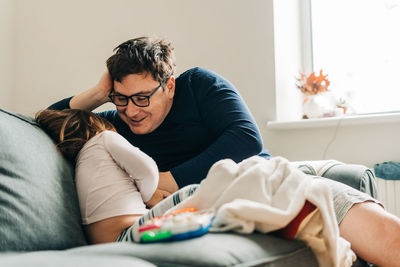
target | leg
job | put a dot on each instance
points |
(374, 234)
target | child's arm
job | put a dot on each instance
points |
(136, 163)
(157, 197)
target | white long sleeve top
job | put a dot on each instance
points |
(113, 178)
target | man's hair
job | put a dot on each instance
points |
(144, 54)
(70, 129)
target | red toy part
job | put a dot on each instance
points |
(290, 231)
(148, 227)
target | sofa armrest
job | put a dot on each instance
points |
(357, 176)
(354, 175)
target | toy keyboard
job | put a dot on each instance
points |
(177, 225)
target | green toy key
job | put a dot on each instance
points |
(155, 235)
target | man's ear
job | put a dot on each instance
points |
(170, 85)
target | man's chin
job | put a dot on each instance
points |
(138, 130)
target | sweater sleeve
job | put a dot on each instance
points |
(62, 104)
(109, 115)
(226, 115)
(137, 164)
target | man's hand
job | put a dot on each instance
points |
(105, 83)
(157, 197)
(167, 182)
(95, 96)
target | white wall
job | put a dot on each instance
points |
(59, 48)
(7, 54)
(62, 45)
(359, 144)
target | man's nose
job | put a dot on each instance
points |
(131, 109)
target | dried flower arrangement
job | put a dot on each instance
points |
(312, 84)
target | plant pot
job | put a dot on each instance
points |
(319, 106)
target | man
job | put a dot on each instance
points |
(185, 124)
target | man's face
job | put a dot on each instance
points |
(144, 120)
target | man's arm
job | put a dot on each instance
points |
(95, 96)
(224, 113)
(89, 99)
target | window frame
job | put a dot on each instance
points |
(293, 54)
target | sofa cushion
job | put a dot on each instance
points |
(62, 259)
(214, 249)
(38, 203)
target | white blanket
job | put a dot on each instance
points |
(265, 195)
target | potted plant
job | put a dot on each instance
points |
(317, 101)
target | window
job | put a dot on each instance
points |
(357, 43)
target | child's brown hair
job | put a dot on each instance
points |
(70, 129)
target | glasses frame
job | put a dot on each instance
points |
(112, 93)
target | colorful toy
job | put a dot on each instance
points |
(177, 225)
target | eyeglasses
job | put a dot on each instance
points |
(139, 100)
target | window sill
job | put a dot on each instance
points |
(335, 121)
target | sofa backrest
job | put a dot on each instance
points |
(38, 202)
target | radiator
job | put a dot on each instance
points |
(389, 194)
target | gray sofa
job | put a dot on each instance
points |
(40, 219)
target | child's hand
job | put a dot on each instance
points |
(167, 182)
(157, 197)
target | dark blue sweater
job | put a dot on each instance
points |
(208, 121)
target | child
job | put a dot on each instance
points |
(114, 179)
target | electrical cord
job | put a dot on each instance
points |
(333, 137)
